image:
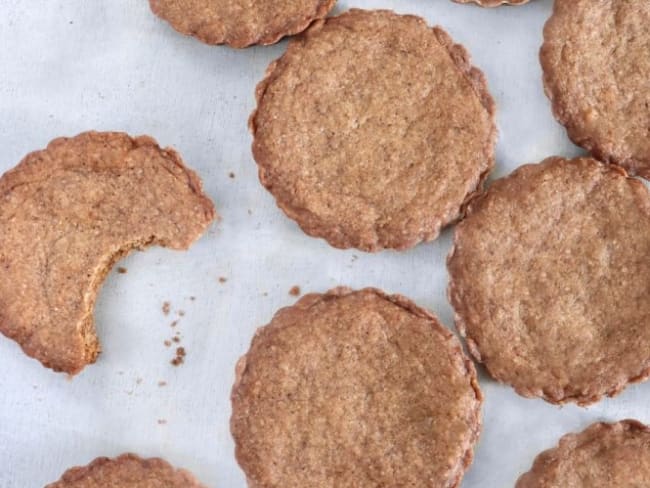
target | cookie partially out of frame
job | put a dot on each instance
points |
(67, 214)
(596, 66)
(493, 3)
(240, 23)
(550, 280)
(127, 471)
(372, 130)
(355, 388)
(604, 455)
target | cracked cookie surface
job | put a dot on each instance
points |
(355, 388)
(70, 211)
(596, 71)
(372, 130)
(550, 280)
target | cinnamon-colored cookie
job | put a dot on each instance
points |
(493, 3)
(67, 214)
(550, 280)
(240, 23)
(604, 455)
(355, 388)
(372, 130)
(596, 66)
(126, 471)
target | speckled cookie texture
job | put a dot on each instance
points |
(70, 211)
(126, 471)
(493, 3)
(372, 130)
(596, 71)
(604, 455)
(550, 280)
(240, 23)
(355, 388)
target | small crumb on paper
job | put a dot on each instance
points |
(180, 357)
(295, 291)
(166, 308)
(122, 270)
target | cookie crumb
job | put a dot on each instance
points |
(162, 421)
(168, 343)
(174, 323)
(180, 356)
(232, 175)
(181, 313)
(222, 279)
(122, 270)
(295, 291)
(162, 383)
(166, 308)
(176, 339)
(192, 298)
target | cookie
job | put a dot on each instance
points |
(596, 70)
(67, 214)
(550, 280)
(355, 388)
(372, 130)
(126, 471)
(240, 23)
(615, 455)
(493, 3)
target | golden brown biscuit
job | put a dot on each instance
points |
(596, 70)
(604, 455)
(240, 23)
(126, 471)
(493, 3)
(67, 214)
(550, 280)
(351, 389)
(372, 130)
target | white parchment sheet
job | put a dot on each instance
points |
(67, 66)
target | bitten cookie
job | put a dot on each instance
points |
(604, 455)
(550, 280)
(126, 471)
(240, 23)
(67, 214)
(372, 130)
(355, 388)
(596, 66)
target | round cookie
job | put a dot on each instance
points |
(126, 471)
(240, 23)
(372, 130)
(355, 388)
(550, 280)
(493, 3)
(67, 214)
(596, 70)
(615, 455)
